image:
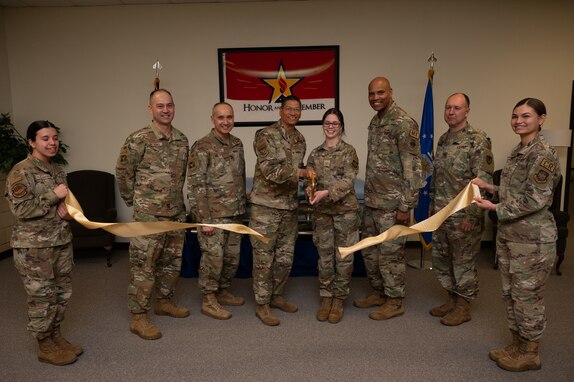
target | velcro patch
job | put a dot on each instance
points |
(262, 148)
(19, 190)
(541, 176)
(548, 164)
(414, 134)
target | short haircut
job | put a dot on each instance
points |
(290, 98)
(159, 90)
(464, 95)
(220, 103)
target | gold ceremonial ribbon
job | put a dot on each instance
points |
(462, 200)
(147, 228)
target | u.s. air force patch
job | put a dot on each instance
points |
(19, 190)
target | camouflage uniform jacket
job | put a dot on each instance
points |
(151, 172)
(460, 157)
(527, 184)
(30, 195)
(216, 178)
(279, 156)
(394, 170)
(336, 169)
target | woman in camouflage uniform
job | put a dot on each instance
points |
(336, 217)
(42, 241)
(526, 240)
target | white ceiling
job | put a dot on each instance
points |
(88, 3)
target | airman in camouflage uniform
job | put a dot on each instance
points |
(216, 194)
(151, 174)
(526, 238)
(336, 214)
(42, 242)
(463, 153)
(392, 182)
(280, 149)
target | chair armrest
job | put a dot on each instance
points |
(561, 218)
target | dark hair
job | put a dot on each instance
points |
(159, 90)
(339, 115)
(37, 126)
(534, 103)
(290, 98)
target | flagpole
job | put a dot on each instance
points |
(427, 136)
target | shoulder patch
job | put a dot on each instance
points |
(541, 177)
(548, 164)
(261, 147)
(414, 134)
(19, 190)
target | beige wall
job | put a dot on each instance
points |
(89, 68)
(5, 99)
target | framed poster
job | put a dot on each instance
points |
(255, 80)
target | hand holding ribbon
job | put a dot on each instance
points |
(463, 199)
(147, 228)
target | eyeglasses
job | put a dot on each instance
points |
(290, 109)
(334, 124)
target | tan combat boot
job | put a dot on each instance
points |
(224, 297)
(264, 313)
(375, 298)
(164, 307)
(459, 315)
(63, 344)
(211, 308)
(391, 308)
(277, 301)
(336, 311)
(442, 310)
(50, 353)
(527, 357)
(325, 308)
(497, 354)
(141, 326)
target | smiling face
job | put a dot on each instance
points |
(222, 119)
(526, 122)
(290, 113)
(332, 127)
(46, 144)
(380, 95)
(162, 108)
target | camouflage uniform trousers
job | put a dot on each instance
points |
(155, 260)
(219, 256)
(272, 262)
(385, 262)
(47, 277)
(329, 233)
(454, 256)
(524, 268)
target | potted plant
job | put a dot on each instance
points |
(14, 147)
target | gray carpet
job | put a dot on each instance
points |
(414, 347)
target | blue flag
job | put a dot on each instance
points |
(426, 136)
